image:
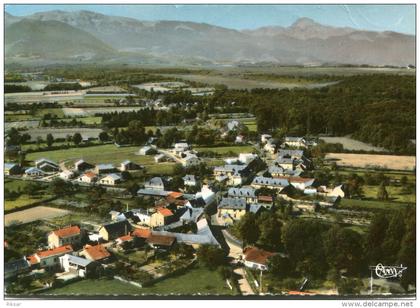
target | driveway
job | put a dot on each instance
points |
(244, 285)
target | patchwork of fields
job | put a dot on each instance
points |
(392, 162)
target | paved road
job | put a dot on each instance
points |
(235, 246)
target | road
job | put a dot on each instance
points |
(171, 155)
(243, 283)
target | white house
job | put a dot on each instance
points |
(34, 172)
(155, 183)
(78, 265)
(256, 258)
(190, 160)
(111, 179)
(298, 142)
(67, 175)
(189, 180)
(265, 138)
(181, 147)
(89, 177)
(160, 158)
(147, 150)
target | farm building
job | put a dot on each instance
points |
(11, 169)
(111, 179)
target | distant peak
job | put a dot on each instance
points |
(304, 22)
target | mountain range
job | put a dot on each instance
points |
(61, 36)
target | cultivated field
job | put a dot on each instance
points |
(392, 162)
(33, 214)
(92, 111)
(236, 82)
(352, 144)
(63, 132)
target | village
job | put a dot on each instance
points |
(249, 183)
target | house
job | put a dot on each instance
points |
(189, 180)
(288, 153)
(147, 150)
(232, 125)
(66, 175)
(265, 201)
(277, 171)
(46, 165)
(160, 158)
(34, 172)
(270, 146)
(240, 139)
(141, 233)
(243, 192)
(104, 168)
(89, 177)
(338, 191)
(265, 138)
(247, 158)
(181, 147)
(129, 165)
(16, 267)
(111, 179)
(144, 216)
(155, 183)
(70, 235)
(160, 241)
(80, 266)
(297, 142)
(190, 160)
(231, 209)
(298, 182)
(125, 241)
(11, 169)
(256, 258)
(50, 258)
(95, 253)
(272, 183)
(286, 163)
(235, 174)
(114, 230)
(81, 165)
(162, 217)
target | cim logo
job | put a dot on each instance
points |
(386, 272)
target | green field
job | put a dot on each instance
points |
(252, 125)
(24, 199)
(394, 194)
(226, 150)
(370, 205)
(108, 153)
(196, 280)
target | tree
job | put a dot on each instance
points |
(382, 193)
(270, 231)
(407, 253)
(375, 237)
(183, 251)
(133, 188)
(77, 138)
(279, 266)
(103, 136)
(60, 187)
(248, 229)
(344, 250)
(211, 256)
(50, 140)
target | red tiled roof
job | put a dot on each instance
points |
(163, 240)
(175, 194)
(256, 255)
(97, 252)
(32, 259)
(68, 231)
(125, 238)
(143, 233)
(55, 251)
(90, 174)
(165, 212)
(265, 198)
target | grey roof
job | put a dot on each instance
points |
(126, 162)
(9, 165)
(291, 153)
(241, 192)
(282, 160)
(261, 180)
(189, 177)
(16, 265)
(233, 203)
(294, 138)
(153, 192)
(230, 168)
(105, 166)
(254, 208)
(33, 169)
(155, 181)
(78, 260)
(114, 176)
(44, 160)
(275, 169)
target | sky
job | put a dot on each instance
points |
(399, 18)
